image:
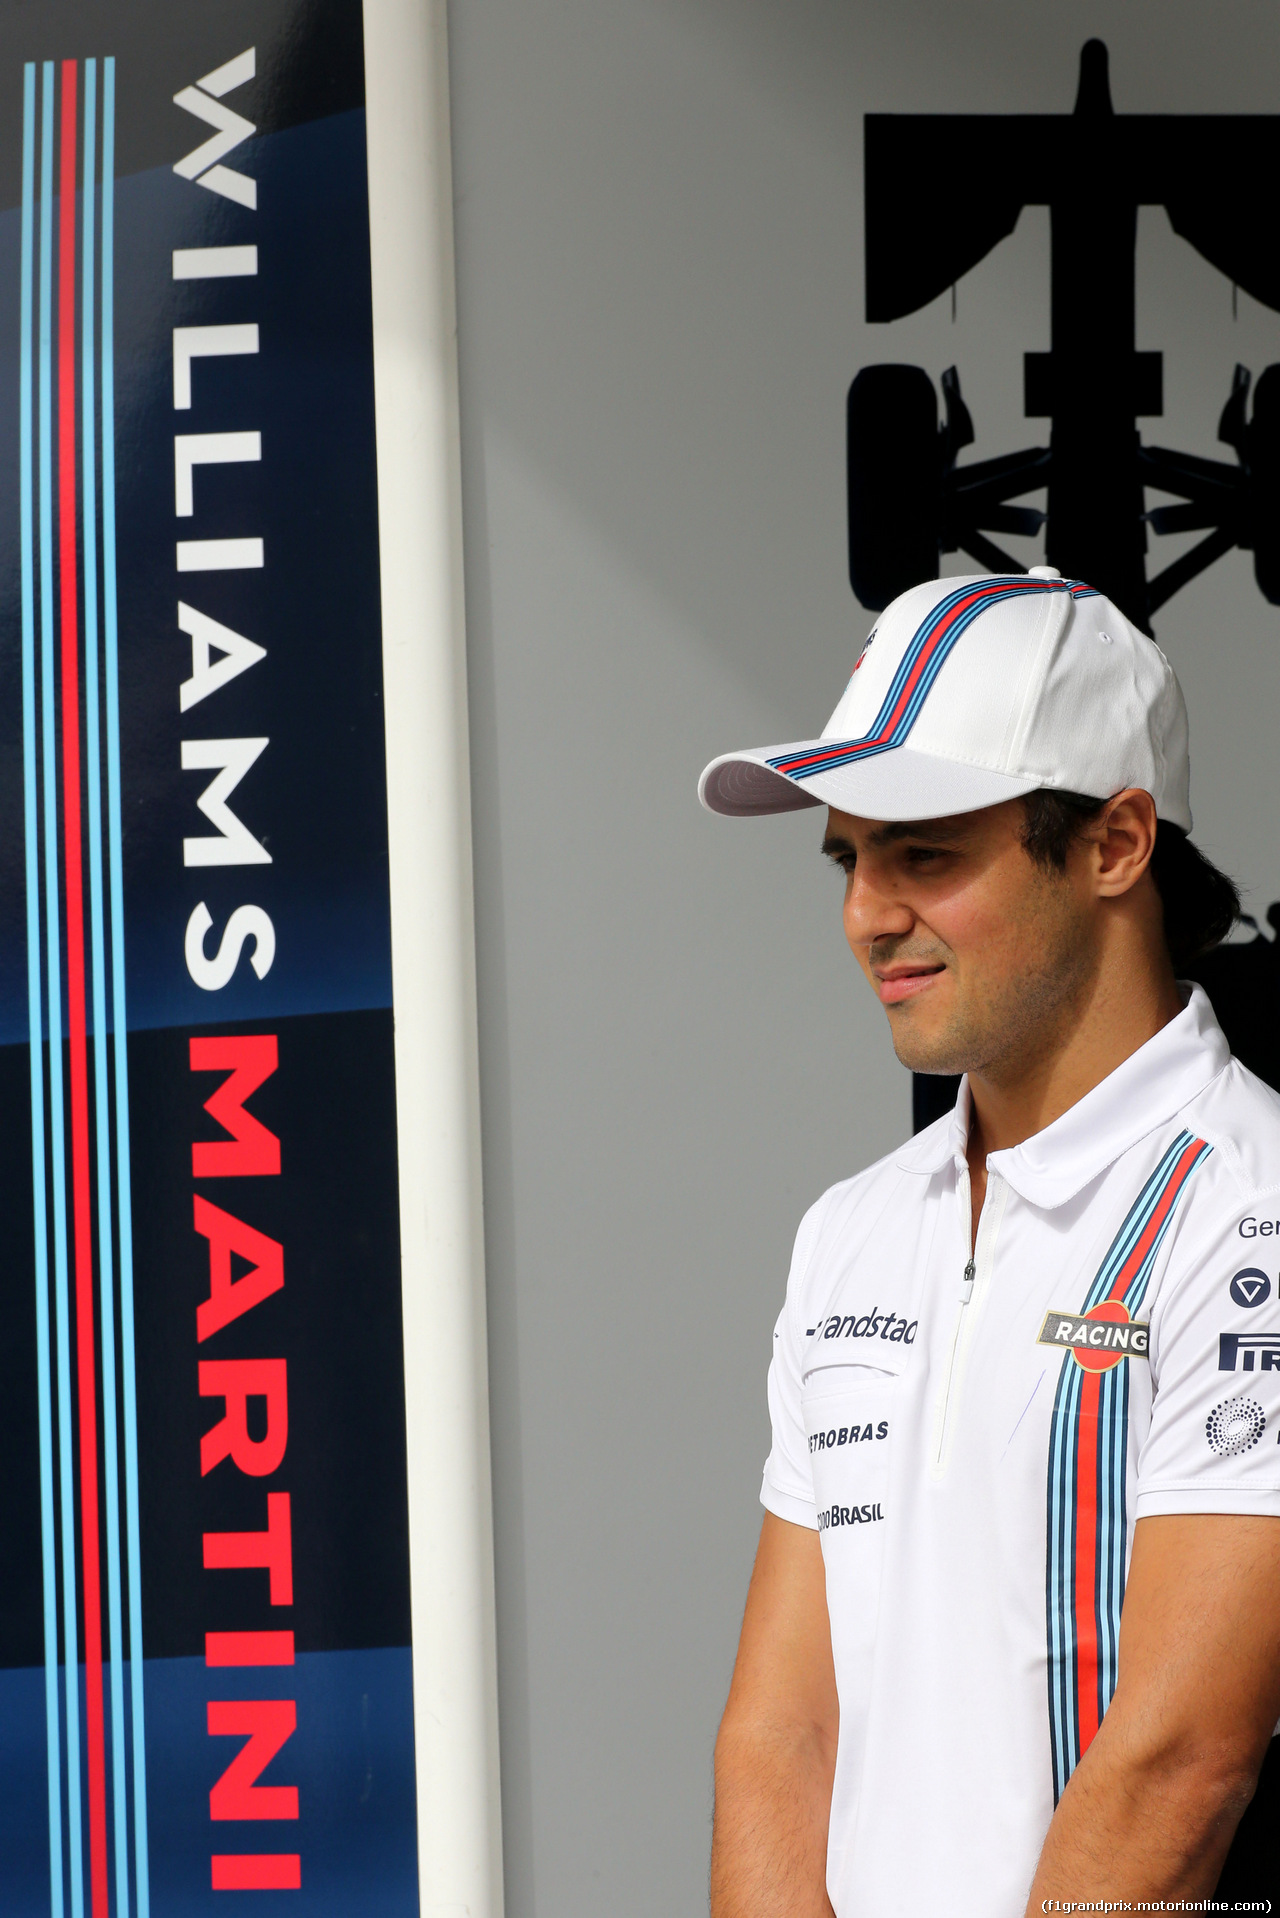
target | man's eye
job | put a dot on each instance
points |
(923, 855)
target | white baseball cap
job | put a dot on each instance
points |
(974, 690)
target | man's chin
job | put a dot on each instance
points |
(924, 1051)
(930, 1065)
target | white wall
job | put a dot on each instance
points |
(658, 216)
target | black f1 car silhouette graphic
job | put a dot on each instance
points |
(941, 191)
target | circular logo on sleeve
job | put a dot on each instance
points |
(1235, 1426)
(1250, 1287)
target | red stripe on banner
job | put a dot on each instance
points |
(257, 1871)
(76, 1017)
(1164, 1206)
(1086, 1529)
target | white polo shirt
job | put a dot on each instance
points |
(975, 1451)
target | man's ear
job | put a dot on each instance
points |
(1123, 838)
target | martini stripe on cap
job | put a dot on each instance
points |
(930, 647)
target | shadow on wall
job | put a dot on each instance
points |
(908, 500)
(1243, 982)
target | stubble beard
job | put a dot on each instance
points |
(1007, 1014)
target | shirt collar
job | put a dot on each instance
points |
(1150, 1086)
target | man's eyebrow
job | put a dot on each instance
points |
(937, 831)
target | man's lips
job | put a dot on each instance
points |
(905, 982)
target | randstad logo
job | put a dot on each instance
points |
(872, 1324)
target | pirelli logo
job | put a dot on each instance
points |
(1249, 1351)
(1099, 1338)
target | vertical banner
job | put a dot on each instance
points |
(205, 1670)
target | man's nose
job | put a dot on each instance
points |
(871, 912)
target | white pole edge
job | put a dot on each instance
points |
(433, 958)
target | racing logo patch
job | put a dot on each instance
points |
(1235, 1426)
(1098, 1338)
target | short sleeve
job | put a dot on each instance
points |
(1214, 1440)
(787, 1491)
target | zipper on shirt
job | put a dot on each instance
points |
(972, 1291)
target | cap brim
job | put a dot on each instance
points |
(899, 784)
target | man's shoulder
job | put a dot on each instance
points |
(1238, 1114)
(854, 1201)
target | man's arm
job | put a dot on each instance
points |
(1154, 1803)
(776, 1753)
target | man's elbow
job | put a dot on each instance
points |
(1221, 1782)
(1200, 1780)
(752, 1739)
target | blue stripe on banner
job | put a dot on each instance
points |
(120, 1031)
(53, 965)
(97, 945)
(35, 1010)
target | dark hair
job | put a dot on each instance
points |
(1200, 903)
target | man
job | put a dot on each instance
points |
(1028, 1368)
